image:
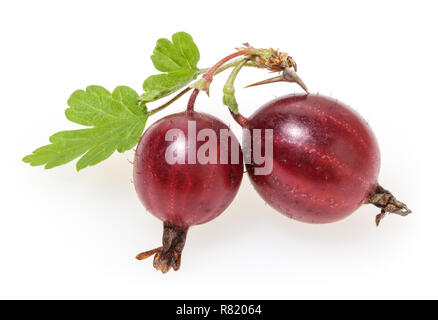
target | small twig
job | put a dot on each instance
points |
(187, 89)
(241, 120)
(229, 98)
(179, 95)
(210, 73)
(191, 103)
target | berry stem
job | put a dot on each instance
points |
(241, 120)
(169, 255)
(210, 73)
(187, 89)
(234, 63)
(385, 200)
(168, 103)
(229, 98)
(192, 99)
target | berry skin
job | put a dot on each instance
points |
(182, 195)
(325, 158)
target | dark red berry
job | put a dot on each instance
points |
(325, 159)
(183, 195)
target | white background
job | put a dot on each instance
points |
(65, 234)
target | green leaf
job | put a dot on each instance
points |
(161, 85)
(178, 59)
(181, 53)
(117, 120)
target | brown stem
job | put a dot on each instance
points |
(241, 120)
(169, 255)
(179, 95)
(385, 200)
(209, 74)
(192, 99)
(147, 254)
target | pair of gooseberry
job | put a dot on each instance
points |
(325, 163)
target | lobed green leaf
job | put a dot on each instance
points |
(161, 85)
(178, 60)
(181, 53)
(117, 120)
